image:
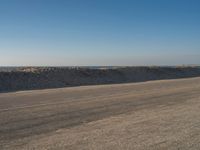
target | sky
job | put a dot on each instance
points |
(99, 32)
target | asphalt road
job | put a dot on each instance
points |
(149, 115)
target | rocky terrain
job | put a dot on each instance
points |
(28, 78)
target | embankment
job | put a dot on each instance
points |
(52, 77)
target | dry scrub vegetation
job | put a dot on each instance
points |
(29, 78)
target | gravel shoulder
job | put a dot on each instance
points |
(149, 115)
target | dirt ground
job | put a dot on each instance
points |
(150, 115)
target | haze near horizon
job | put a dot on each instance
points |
(99, 32)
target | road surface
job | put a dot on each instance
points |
(149, 115)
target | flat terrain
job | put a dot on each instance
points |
(149, 115)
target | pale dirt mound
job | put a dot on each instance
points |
(29, 78)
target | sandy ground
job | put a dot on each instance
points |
(150, 115)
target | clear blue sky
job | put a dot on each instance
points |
(99, 32)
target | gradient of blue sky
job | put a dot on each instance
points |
(99, 32)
